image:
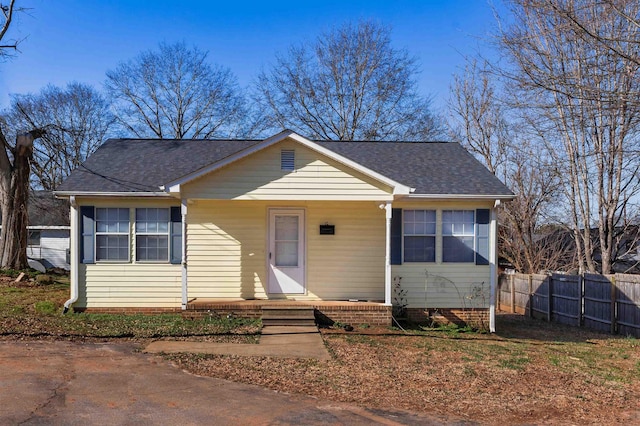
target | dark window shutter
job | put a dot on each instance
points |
(176, 235)
(87, 219)
(483, 218)
(396, 236)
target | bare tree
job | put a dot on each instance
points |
(349, 84)
(479, 120)
(582, 101)
(477, 117)
(14, 174)
(175, 93)
(77, 120)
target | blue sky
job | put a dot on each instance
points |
(79, 40)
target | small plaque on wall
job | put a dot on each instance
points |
(327, 229)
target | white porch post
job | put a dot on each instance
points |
(387, 260)
(493, 260)
(183, 211)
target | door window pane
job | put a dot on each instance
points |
(286, 240)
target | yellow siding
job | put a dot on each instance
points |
(444, 285)
(135, 285)
(259, 177)
(228, 241)
(130, 285)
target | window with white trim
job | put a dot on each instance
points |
(419, 230)
(458, 236)
(152, 234)
(112, 234)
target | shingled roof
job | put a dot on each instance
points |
(144, 165)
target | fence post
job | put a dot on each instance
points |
(530, 296)
(614, 326)
(513, 297)
(550, 298)
(581, 299)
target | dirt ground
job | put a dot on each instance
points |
(530, 372)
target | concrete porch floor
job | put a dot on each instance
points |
(205, 303)
(326, 312)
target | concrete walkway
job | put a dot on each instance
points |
(276, 341)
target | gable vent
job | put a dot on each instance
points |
(287, 159)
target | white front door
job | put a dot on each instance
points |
(286, 251)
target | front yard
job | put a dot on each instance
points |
(529, 372)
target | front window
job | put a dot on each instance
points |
(458, 235)
(112, 234)
(419, 235)
(152, 235)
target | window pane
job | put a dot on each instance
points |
(457, 249)
(286, 228)
(112, 247)
(419, 249)
(152, 248)
(430, 228)
(286, 253)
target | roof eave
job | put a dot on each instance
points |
(156, 194)
(484, 197)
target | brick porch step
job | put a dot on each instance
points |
(288, 315)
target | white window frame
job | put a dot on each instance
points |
(450, 231)
(108, 233)
(432, 235)
(157, 233)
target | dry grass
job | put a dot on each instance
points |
(530, 372)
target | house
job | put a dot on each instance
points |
(178, 225)
(48, 238)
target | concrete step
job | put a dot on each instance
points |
(291, 322)
(288, 315)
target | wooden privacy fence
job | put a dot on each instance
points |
(608, 303)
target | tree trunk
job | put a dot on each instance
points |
(14, 195)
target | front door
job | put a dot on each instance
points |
(286, 251)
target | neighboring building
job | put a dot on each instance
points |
(48, 227)
(182, 224)
(48, 240)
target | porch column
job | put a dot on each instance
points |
(183, 211)
(493, 260)
(387, 260)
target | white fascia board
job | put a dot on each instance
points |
(456, 197)
(65, 194)
(398, 188)
(52, 228)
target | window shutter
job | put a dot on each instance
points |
(396, 236)
(176, 235)
(483, 217)
(87, 227)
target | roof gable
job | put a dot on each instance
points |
(260, 176)
(398, 188)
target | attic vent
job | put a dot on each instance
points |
(287, 159)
